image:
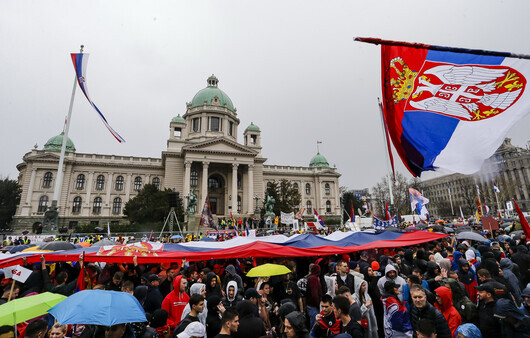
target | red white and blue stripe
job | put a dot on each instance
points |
(319, 219)
(80, 61)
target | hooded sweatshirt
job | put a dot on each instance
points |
(297, 321)
(468, 279)
(397, 280)
(447, 309)
(366, 311)
(197, 289)
(231, 302)
(507, 271)
(314, 289)
(215, 290)
(174, 303)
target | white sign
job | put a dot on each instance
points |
(17, 273)
(287, 218)
(509, 205)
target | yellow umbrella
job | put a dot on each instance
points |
(22, 309)
(267, 270)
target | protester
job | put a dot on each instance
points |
(229, 324)
(488, 323)
(396, 319)
(176, 301)
(422, 309)
(197, 289)
(58, 331)
(444, 303)
(295, 325)
(196, 305)
(326, 324)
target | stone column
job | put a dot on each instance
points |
(128, 183)
(234, 187)
(86, 210)
(250, 192)
(516, 185)
(31, 184)
(186, 192)
(204, 185)
(108, 202)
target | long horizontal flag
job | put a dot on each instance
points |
(302, 245)
(80, 61)
(450, 108)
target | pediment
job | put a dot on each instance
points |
(220, 146)
(45, 156)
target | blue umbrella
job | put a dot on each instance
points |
(18, 248)
(175, 237)
(207, 239)
(99, 307)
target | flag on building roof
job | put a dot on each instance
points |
(450, 108)
(495, 188)
(206, 215)
(80, 61)
(417, 202)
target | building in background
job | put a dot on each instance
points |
(203, 156)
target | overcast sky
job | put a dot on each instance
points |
(291, 67)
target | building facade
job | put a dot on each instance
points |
(509, 167)
(203, 157)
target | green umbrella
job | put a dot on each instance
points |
(267, 270)
(22, 309)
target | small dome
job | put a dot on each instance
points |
(319, 161)
(211, 93)
(56, 142)
(178, 119)
(252, 127)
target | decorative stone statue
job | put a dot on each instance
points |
(269, 205)
(192, 203)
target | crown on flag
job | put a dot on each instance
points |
(403, 85)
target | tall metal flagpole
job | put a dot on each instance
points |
(51, 216)
(450, 200)
(390, 184)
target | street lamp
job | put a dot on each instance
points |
(256, 198)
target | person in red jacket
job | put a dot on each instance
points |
(444, 303)
(176, 301)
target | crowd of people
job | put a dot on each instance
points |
(446, 288)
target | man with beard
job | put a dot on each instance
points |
(467, 277)
(326, 324)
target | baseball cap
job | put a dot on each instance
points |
(252, 293)
(152, 277)
(496, 289)
(390, 285)
(194, 329)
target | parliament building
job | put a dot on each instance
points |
(203, 156)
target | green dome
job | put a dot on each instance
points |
(208, 95)
(319, 161)
(56, 142)
(252, 127)
(178, 119)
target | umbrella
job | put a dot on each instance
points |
(176, 237)
(84, 244)
(267, 270)
(57, 245)
(449, 230)
(22, 309)
(104, 242)
(99, 307)
(207, 239)
(18, 248)
(516, 234)
(473, 236)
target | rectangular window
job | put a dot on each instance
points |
(231, 128)
(177, 132)
(196, 125)
(252, 139)
(215, 124)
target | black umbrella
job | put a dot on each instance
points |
(18, 248)
(104, 242)
(57, 245)
(462, 229)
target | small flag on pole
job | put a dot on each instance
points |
(80, 61)
(495, 188)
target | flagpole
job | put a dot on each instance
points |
(59, 179)
(390, 184)
(450, 200)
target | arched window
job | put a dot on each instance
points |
(295, 185)
(328, 206)
(119, 183)
(116, 205)
(269, 185)
(76, 207)
(43, 203)
(238, 204)
(308, 189)
(47, 181)
(156, 182)
(100, 182)
(309, 207)
(215, 182)
(327, 189)
(96, 209)
(137, 183)
(80, 182)
(194, 178)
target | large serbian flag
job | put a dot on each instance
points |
(449, 108)
(80, 61)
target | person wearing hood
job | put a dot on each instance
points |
(314, 294)
(212, 286)
(514, 323)
(362, 297)
(176, 301)
(250, 324)
(465, 307)
(467, 277)
(391, 275)
(522, 259)
(213, 319)
(526, 301)
(468, 331)
(456, 257)
(444, 303)
(373, 291)
(433, 275)
(422, 309)
(197, 289)
(231, 275)
(294, 325)
(419, 261)
(507, 271)
(232, 296)
(403, 268)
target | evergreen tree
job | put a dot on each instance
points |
(151, 205)
(9, 198)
